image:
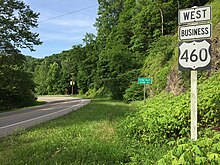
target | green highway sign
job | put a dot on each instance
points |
(144, 80)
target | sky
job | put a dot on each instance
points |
(62, 24)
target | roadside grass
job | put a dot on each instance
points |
(39, 103)
(92, 135)
(86, 136)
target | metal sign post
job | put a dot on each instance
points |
(194, 54)
(72, 83)
(194, 105)
(144, 93)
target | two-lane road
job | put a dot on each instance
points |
(56, 106)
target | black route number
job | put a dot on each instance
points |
(202, 56)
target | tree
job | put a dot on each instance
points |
(53, 78)
(88, 67)
(16, 85)
(40, 75)
(108, 15)
(17, 21)
(145, 27)
(127, 32)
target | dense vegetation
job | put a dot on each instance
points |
(100, 133)
(130, 43)
(165, 120)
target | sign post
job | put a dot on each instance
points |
(144, 81)
(144, 93)
(194, 105)
(72, 83)
(194, 54)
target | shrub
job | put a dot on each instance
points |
(102, 92)
(167, 116)
(203, 151)
(161, 118)
(134, 92)
(159, 62)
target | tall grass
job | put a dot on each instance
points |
(86, 136)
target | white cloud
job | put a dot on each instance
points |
(73, 22)
(61, 37)
(69, 32)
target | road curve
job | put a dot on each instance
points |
(17, 120)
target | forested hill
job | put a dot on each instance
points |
(134, 38)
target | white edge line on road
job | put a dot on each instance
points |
(25, 121)
(29, 111)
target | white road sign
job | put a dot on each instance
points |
(72, 83)
(195, 14)
(195, 32)
(195, 55)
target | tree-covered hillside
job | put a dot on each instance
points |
(134, 38)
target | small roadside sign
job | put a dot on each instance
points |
(195, 31)
(144, 80)
(195, 14)
(72, 83)
(195, 55)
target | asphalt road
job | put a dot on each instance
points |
(57, 106)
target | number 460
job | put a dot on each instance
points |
(202, 56)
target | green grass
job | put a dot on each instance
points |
(36, 103)
(87, 136)
(215, 14)
(90, 136)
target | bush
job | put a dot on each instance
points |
(209, 102)
(167, 116)
(161, 118)
(203, 151)
(159, 62)
(134, 92)
(102, 92)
